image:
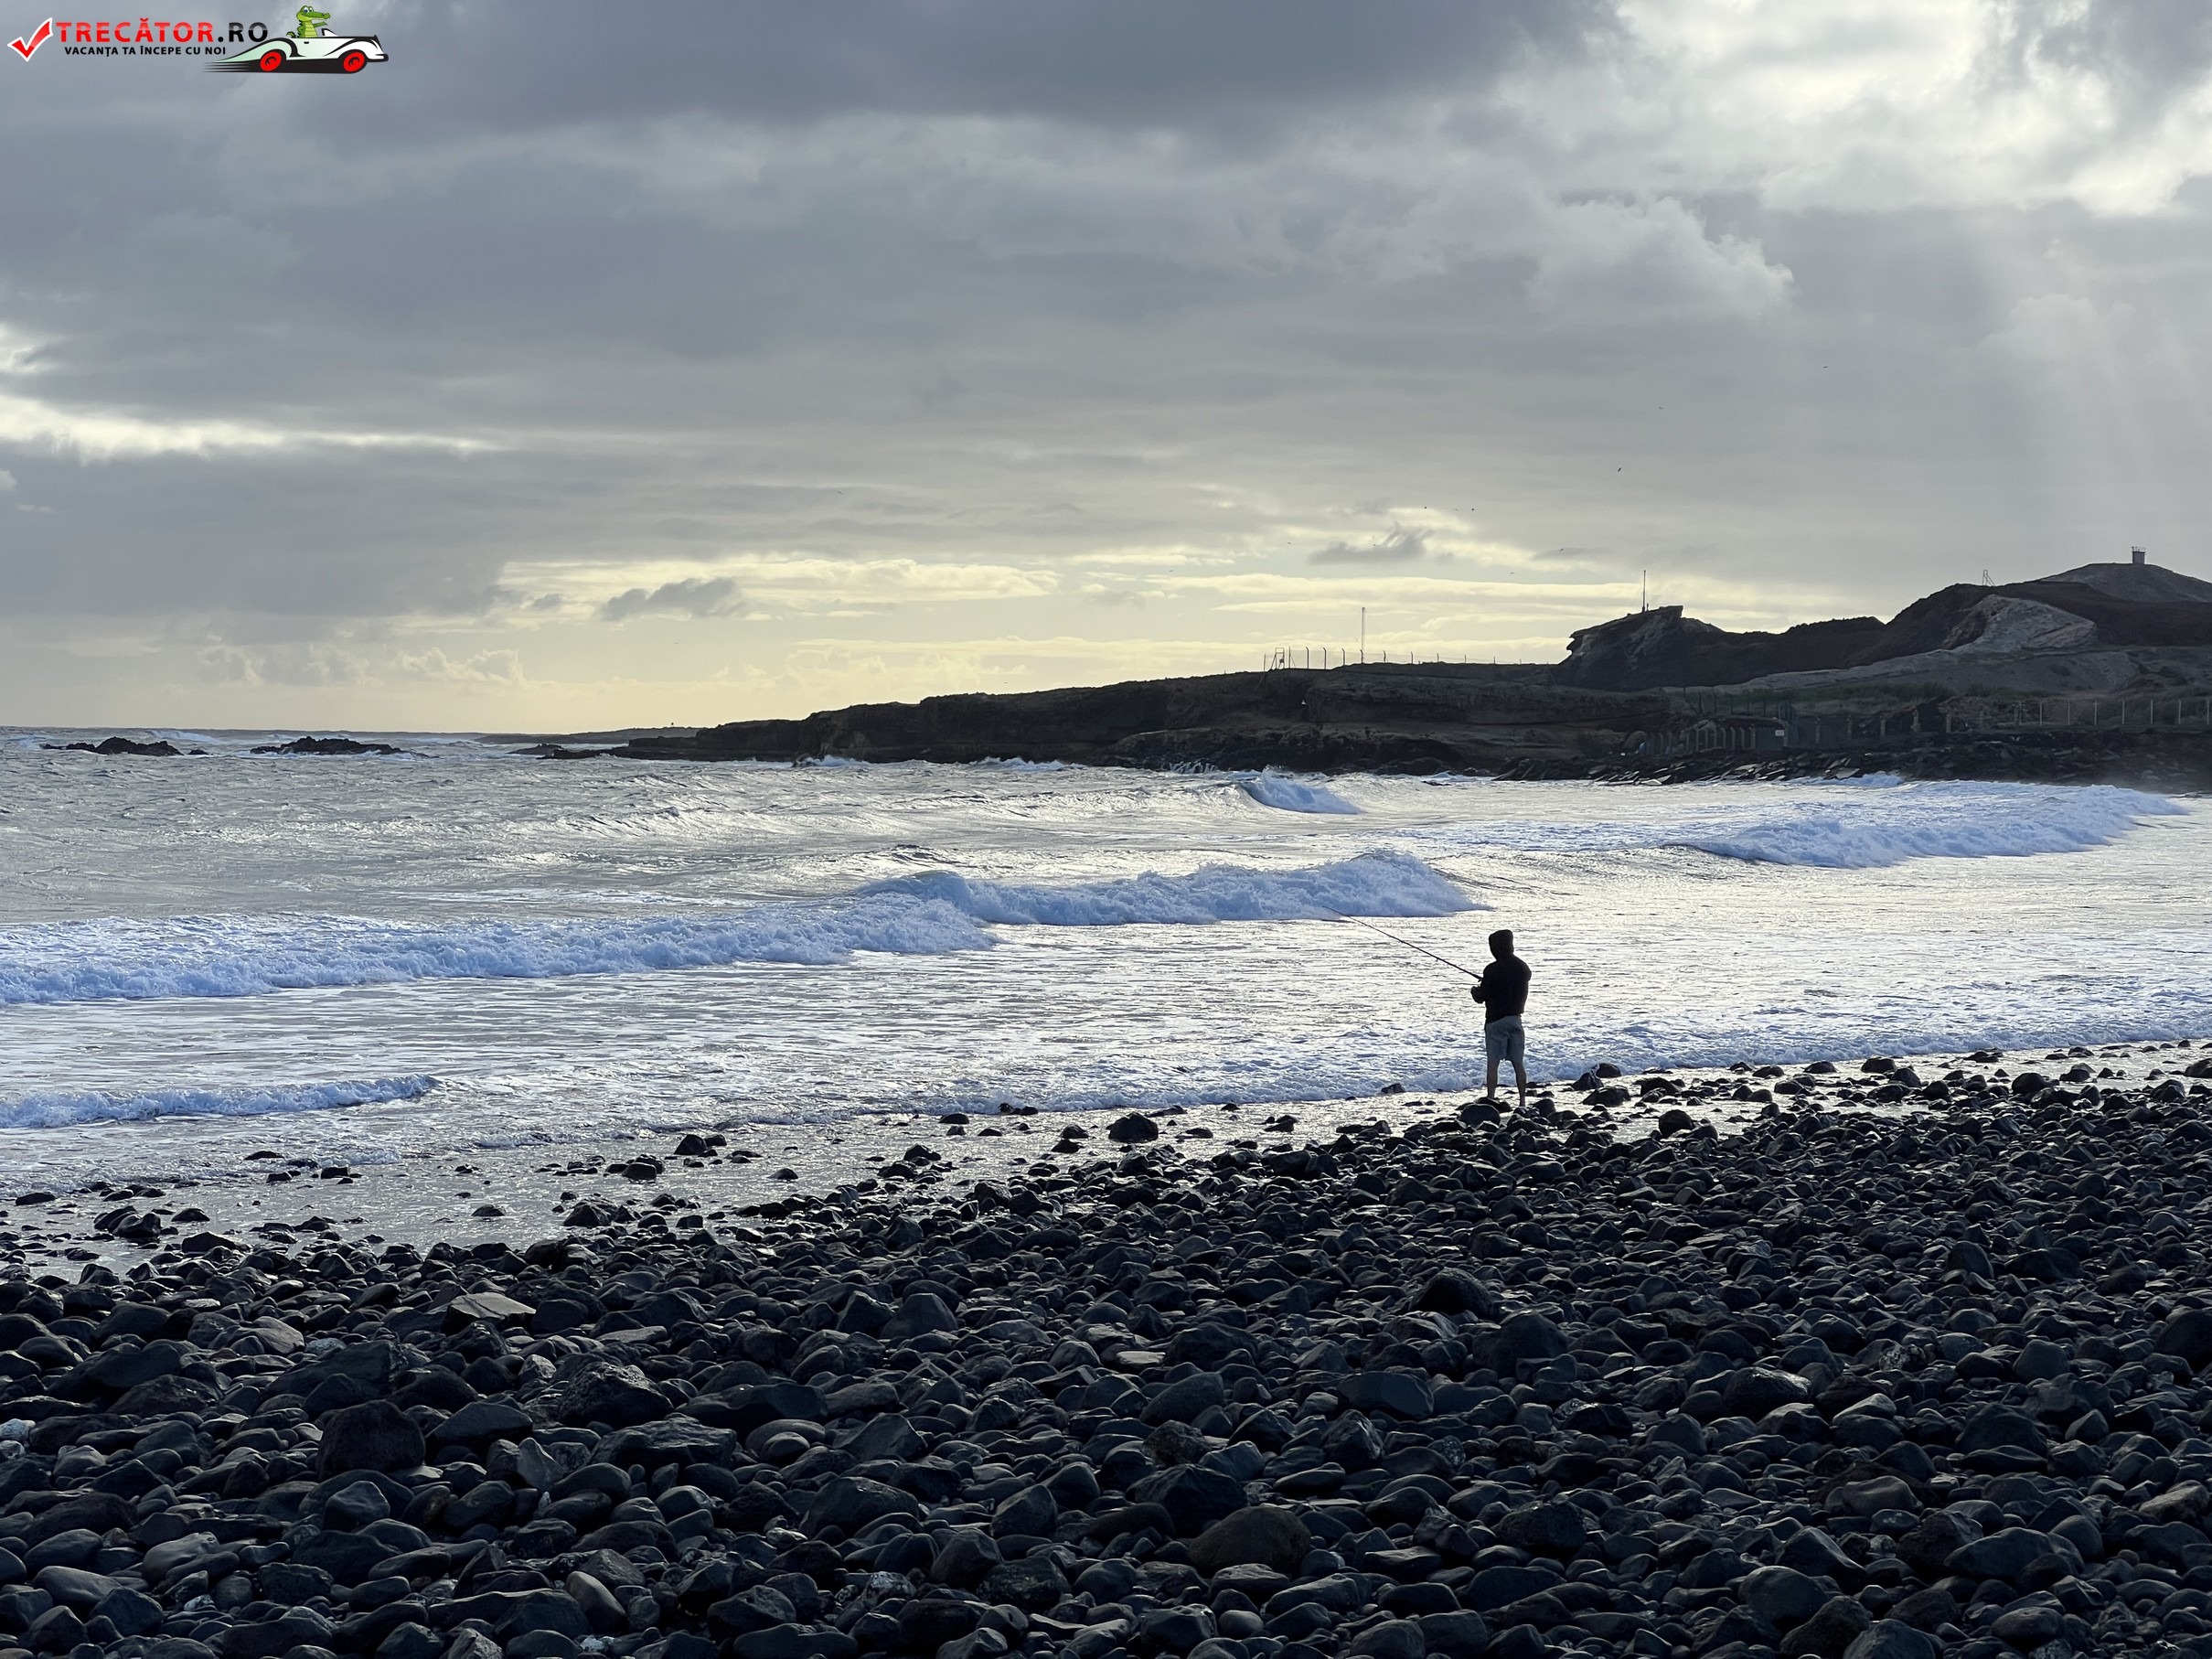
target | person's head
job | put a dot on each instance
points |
(1501, 943)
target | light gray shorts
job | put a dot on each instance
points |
(1503, 1041)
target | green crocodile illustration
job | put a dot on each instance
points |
(310, 25)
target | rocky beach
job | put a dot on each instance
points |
(1879, 1360)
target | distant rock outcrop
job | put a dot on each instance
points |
(1664, 647)
(1430, 718)
(326, 746)
(160, 748)
(2003, 623)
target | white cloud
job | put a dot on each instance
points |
(110, 433)
(498, 668)
(113, 434)
(1874, 105)
(290, 665)
(785, 584)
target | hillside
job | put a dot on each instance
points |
(1392, 717)
(2097, 604)
(2098, 654)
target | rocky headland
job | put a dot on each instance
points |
(2100, 674)
(1911, 1365)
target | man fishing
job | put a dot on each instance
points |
(1501, 988)
(1504, 992)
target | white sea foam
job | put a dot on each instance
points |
(1703, 923)
(1878, 825)
(59, 1110)
(928, 914)
(228, 955)
(1938, 820)
(1374, 883)
(1288, 794)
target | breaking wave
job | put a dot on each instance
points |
(59, 1110)
(1288, 794)
(1872, 826)
(1941, 820)
(927, 915)
(1374, 883)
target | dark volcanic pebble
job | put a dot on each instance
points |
(1840, 1385)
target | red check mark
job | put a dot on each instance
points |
(36, 41)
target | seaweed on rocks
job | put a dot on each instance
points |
(1844, 1384)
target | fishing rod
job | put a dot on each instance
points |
(1409, 945)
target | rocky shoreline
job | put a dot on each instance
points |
(1909, 1366)
(2175, 762)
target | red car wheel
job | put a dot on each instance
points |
(273, 58)
(352, 61)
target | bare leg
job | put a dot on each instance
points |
(1520, 1077)
(1489, 1085)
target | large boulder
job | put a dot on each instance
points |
(918, 1313)
(375, 1434)
(1186, 1401)
(94, 1512)
(850, 1503)
(1033, 1584)
(1460, 1635)
(747, 1407)
(1455, 1292)
(2001, 1426)
(1399, 1393)
(1524, 1336)
(1839, 1622)
(680, 1438)
(2188, 1336)
(1893, 1639)
(1194, 1497)
(1030, 1512)
(2008, 1553)
(587, 1389)
(480, 1422)
(1753, 1391)
(301, 1626)
(1260, 1535)
(1782, 1596)
(1546, 1529)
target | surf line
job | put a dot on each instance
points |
(1432, 955)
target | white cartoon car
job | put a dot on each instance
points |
(326, 54)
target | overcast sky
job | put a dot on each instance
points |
(584, 366)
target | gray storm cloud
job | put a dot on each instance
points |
(693, 596)
(940, 327)
(1399, 546)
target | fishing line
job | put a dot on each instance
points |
(1409, 945)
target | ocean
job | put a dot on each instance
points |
(357, 958)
